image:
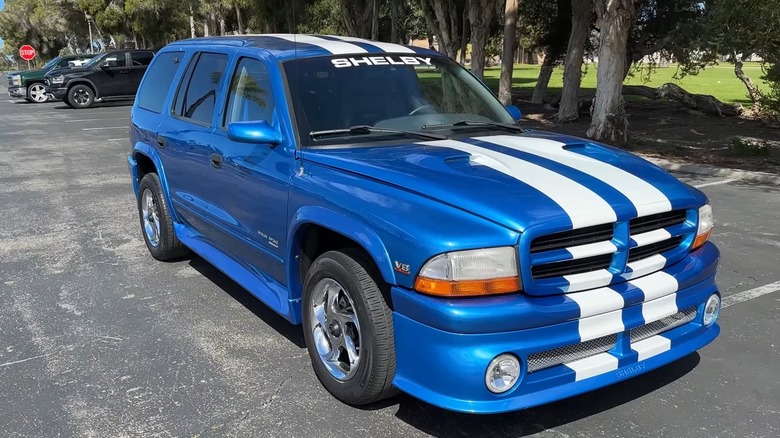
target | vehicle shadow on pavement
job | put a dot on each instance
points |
(442, 423)
(63, 106)
(293, 333)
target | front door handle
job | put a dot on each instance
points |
(216, 160)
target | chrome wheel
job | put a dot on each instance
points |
(151, 216)
(81, 96)
(37, 93)
(336, 329)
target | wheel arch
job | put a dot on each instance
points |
(83, 81)
(315, 230)
(145, 159)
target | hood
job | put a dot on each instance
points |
(521, 181)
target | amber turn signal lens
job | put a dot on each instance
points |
(470, 288)
(701, 239)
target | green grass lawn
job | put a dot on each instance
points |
(718, 81)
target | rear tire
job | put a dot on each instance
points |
(81, 96)
(348, 328)
(156, 221)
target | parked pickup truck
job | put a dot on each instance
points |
(29, 85)
(382, 197)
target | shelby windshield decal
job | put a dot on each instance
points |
(380, 60)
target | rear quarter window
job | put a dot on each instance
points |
(157, 81)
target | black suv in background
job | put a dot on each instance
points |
(109, 76)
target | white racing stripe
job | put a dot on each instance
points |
(659, 308)
(587, 280)
(645, 266)
(657, 285)
(584, 207)
(597, 301)
(601, 325)
(591, 249)
(647, 199)
(593, 366)
(652, 346)
(334, 47)
(651, 237)
(387, 47)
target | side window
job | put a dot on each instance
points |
(158, 80)
(141, 58)
(250, 96)
(65, 63)
(196, 101)
(115, 60)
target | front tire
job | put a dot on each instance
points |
(156, 221)
(80, 96)
(348, 327)
(36, 93)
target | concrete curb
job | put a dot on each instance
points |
(700, 169)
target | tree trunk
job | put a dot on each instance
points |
(206, 28)
(609, 121)
(508, 54)
(375, 20)
(753, 92)
(464, 39)
(192, 23)
(222, 25)
(445, 23)
(572, 72)
(135, 40)
(540, 90)
(394, 37)
(481, 14)
(239, 20)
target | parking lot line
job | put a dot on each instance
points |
(116, 139)
(97, 120)
(750, 294)
(716, 183)
(104, 127)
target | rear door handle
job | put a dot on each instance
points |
(216, 160)
(161, 142)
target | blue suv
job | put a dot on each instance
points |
(382, 197)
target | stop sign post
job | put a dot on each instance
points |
(27, 53)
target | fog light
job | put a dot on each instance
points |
(711, 309)
(502, 373)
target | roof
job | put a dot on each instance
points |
(290, 46)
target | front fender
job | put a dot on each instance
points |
(77, 81)
(339, 223)
(143, 149)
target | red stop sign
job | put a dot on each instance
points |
(27, 52)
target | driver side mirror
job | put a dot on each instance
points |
(254, 132)
(514, 112)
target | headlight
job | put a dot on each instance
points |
(705, 226)
(470, 273)
(16, 80)
(58, 79)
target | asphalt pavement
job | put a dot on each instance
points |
(97, 339)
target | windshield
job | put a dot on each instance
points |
(94, 61)
(411, 93)
(51, 63)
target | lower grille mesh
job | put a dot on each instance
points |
(570, 353)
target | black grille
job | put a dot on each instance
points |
(652, 249)
(656, 221)
(581, 236)
(570, 267)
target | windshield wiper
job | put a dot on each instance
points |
(473, 123)
(365, 129)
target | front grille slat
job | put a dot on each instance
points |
(570, 267)
(656, 221)
(566, 239)
(654, 248)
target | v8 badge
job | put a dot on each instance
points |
(401, 267)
